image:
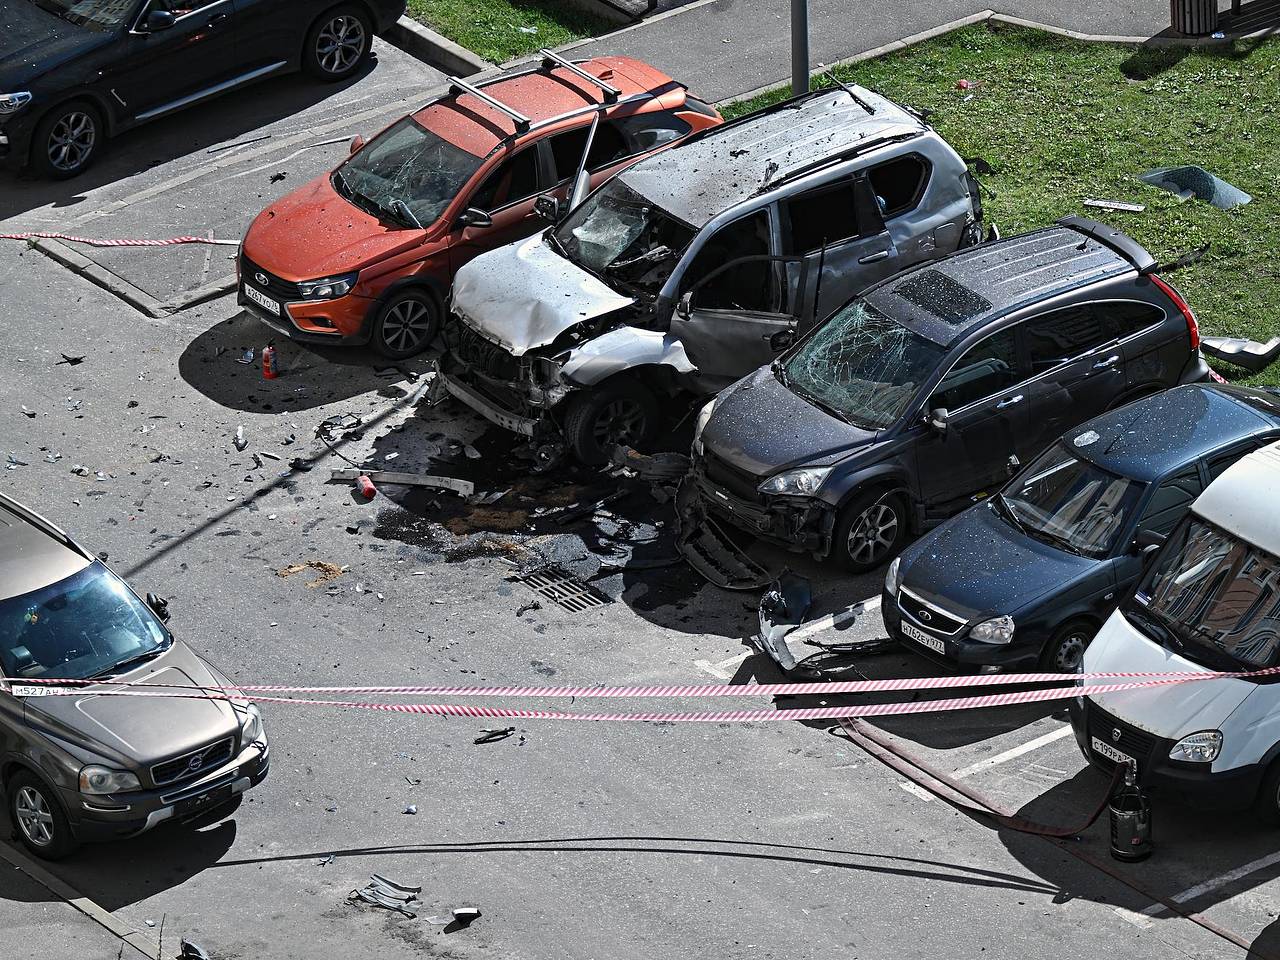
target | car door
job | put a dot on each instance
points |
(1165, 505)
(163, 70)
(985, 396)
(271, 31)
(507, 194)
(1153, 345)
(734, 321)
(1078, 366)
(837, 233)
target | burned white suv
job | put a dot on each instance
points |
(699, 264)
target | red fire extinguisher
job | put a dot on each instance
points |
(269, 369)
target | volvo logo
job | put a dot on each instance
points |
(926, 616)
(1115, 734)
(261, 278)
(195, 763)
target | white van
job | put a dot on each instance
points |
(1209, 602)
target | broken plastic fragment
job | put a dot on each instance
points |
(1247, 354)
(1192, 181)
(782, 609)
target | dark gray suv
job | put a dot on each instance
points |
(91, 766)
(925, 393)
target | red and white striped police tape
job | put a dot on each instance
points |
(171, 241)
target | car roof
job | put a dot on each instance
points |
(944, 299)
(32, 557)
(1241, 499)
(718, 169)
(1147, 439)
(539, 94)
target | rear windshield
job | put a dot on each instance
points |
(1212, 597)
(84, 626)
(406, 163)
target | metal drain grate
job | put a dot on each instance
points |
(563, 589)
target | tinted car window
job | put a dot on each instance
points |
(1170, 502)
(515, 179)
(747, 286)
(607, 147)
(1058, 336)
(1124, 318)
(820, 218)
(1218, 464)
(648, 131)
(899, 184)
(985, 369)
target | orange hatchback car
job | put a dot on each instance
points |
(366, 253)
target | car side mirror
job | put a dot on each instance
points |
(937, 419)
(1147, 542)
(548, 208)
(357, 143)
(475, 217)
(684, 306)
(159, 21)
(159, 606)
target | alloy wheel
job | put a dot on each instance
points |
(873, 534)
(34, 817)
(620, 422)
(340, 44)
(72, 140)
(406, 325)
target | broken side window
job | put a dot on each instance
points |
(988, 367)
(819, 218)
(515, 179)
(1053, 338)
(748, 286)
(648, 131)
(899, 183)
(566, 149)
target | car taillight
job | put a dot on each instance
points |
(1193, 328)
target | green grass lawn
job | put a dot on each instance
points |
(492, 28)
(1061, 121)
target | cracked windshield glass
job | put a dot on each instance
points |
(406, 174)
(861, 366)
(619, 234)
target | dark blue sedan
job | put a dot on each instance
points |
(1024, 579)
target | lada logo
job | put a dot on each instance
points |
(926, 616)
(261, 278)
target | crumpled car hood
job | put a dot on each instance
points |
(524, 295)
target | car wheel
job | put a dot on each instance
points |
(623, 413)
(337, 43)
(870, 531)
(67, 140)
(41, 825)
(1064, 653)
(406, 324)
(1267, 804)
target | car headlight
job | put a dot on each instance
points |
(101, 780)
(1202, 747)
(892, 579)
(329, 288)
(703, 416)
(13, 102)
(251, 725)
(997, 630)
(804, 482)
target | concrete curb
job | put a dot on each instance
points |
(602, 11)
(433, 49)
(634, 26)
(95, 273)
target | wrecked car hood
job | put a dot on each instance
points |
(976, 564)
(524, 295)
(761, 427)
(313, 233)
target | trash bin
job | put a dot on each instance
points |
(1195, 18)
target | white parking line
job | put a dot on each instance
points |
(1207, 886)
(721, 669)
(915, 790)
(1012, 754)
(835, 619)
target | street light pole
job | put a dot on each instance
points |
(799, 47)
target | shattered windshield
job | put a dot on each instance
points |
(1071, 503)
(409, 165)
(1213, 597)
(619, 234)
(84, 626)
(862, 366)
(98, 14)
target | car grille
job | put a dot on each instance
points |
(204, 759)
(927, 615)
(486, 356)
(736, 481)
(283, 289)
(1132, 741)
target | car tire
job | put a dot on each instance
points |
(1064, 652)
(1266, 806)
(406, 324)
(870, 530)
(624, 412)
(67, 140)
(38, 819)
(338, 43)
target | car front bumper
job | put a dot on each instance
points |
(15, 139)
(120, 816)
(795, 523)
(1022, 653)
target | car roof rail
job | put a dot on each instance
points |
(1114, 239)
(840, 156)
(36, 520)
(551, 59)
(522, 122)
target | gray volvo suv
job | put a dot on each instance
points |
(91, 766)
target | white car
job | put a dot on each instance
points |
(1209, 602)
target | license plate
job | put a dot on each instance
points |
(1103, 749)
(936, 644)
(204, 801)
(261, 299)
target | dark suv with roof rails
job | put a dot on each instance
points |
(923, 395)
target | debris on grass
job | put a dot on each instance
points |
(1193, 181)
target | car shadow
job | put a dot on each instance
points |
(310, 376)
(218, 121)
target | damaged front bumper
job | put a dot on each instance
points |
(500, 387)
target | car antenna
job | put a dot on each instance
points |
(853, 95)
(1182, 262)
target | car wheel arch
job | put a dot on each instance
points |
(404, 284)
(110, 122)
(15, 765)
(364, 8)
(1088, 621)
(886, 481)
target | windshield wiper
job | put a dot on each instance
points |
(402, 209)
(780, 373)
(1155, 624)
(129, 662)
(819, 403)
(1006, 510)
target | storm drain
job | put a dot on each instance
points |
(563, 589)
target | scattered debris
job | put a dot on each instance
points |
(246, 357)
(710, 550)
(1116, 205)
(463, 488)
(14, 463)
(277, 177)
(411, 810)
(365, 486)
(28, 413)
(325, 861)
(80, 471)
(782, 609)
(470, 452)
(328, 572)
(239, 440)
(577, 511)
(656, 468)
(1247, 354)
(1192, 181)
(191, 951)
(71, 361)
(462, 916)
(494, 734)
(526, 607)
(388, 894)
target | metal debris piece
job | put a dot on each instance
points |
(28, 413)
(464, 488)
(80, 471)
(1193, 181)
(1247, 354)
(70, 361)
(328, 572)
(470, 452)
(191, 951)
(411, 810)
(782, 609)
(526, 607)
(494, 734)
(1116, 205)
(577, 511)
(388, 894)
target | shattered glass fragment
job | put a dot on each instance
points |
(1192, 181)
